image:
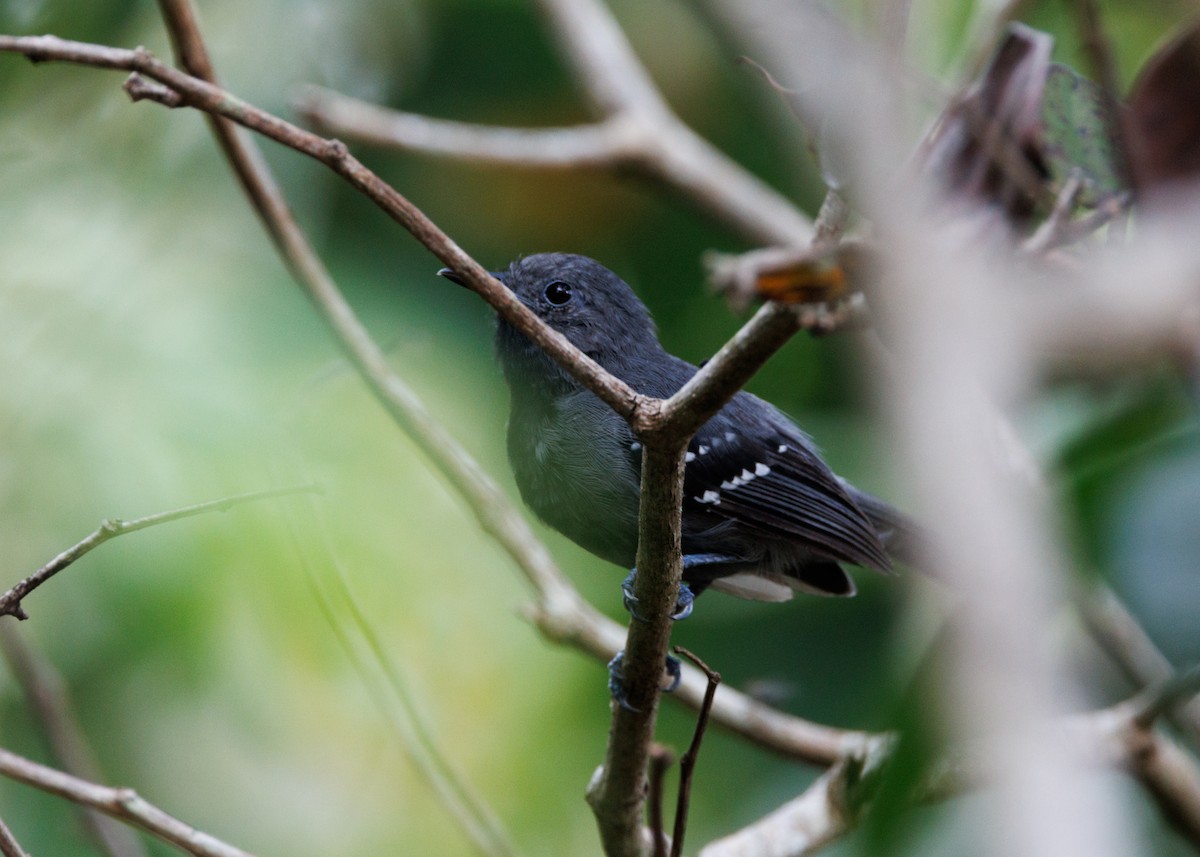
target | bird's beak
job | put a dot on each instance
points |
(454, 277)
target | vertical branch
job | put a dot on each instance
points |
(660, 761)
(687, 762)
(618, 791)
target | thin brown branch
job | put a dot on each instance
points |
(1161, 700)
(472, 814)
(10, 601)
(120, 803)
(9, 847)
(617, 792)
(1169, 775)
(660, 760)
(1053, 230)
(687, 762)
(46, 695)
(1124, 640)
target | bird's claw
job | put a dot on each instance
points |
(683, 601)
(616, 680)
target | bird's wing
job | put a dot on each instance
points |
(769, 478)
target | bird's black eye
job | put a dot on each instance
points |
(558, 293)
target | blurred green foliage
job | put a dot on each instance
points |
(154, 353)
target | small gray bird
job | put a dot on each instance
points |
(763, 516)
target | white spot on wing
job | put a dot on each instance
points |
(730, 436)
(689, 457)
(783, 447)
(761, 469)
(712, 497)
(635, 446)
(746, 476)
(703, 449)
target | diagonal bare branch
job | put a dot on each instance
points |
(46, 695)
(120, 803)
(10, 601)
(9, 846)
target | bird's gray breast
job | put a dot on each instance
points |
(581, 481)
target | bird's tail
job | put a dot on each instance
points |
(900, 534)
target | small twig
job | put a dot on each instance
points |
(10, 601)
(1109, 209)
(9, 847)
(660, 760)
(1052, 230)
(124, 804)
(46, 695)
(687, 762)
(1099, 51)
(139, 88)
(1124, 640)
(1159, 701)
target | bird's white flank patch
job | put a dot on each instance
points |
(751, 586)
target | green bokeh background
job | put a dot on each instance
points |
(154, 353)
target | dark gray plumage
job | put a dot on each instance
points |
(762, 515)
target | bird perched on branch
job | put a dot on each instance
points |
(763, 516)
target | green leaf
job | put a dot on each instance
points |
(1078, 135)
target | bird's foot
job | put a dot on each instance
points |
(683, 601)
(616, 679)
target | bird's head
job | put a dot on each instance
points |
(581, 299)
